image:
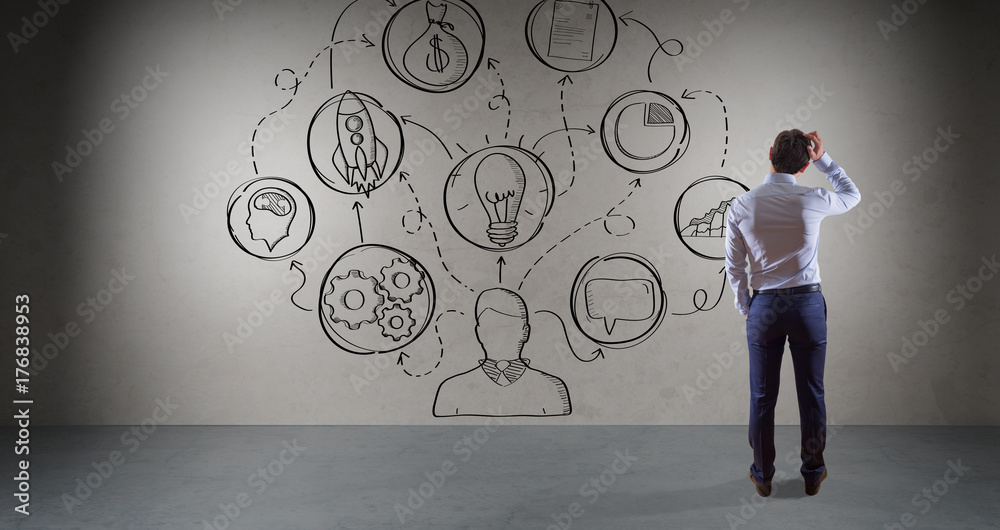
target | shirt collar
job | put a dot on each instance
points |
(779, 178)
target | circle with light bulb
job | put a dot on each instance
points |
(497, 198)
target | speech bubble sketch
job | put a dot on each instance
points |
(613, 300)
(618, 300)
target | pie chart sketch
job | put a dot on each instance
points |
(645, 132)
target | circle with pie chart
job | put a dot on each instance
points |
(645, 132)
(701, 215)
(375, 299)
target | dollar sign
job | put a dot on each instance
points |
(438, 57)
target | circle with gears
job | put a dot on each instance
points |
(375, 299)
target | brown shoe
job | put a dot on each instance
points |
(815, 489)
(763, 491)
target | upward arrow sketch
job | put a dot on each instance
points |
(357, 208)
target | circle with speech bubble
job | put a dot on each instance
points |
(618, 300)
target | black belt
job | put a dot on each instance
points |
(812, 288)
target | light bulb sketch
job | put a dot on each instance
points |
(514, 188)
(499, 184)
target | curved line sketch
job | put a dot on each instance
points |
(660, 45)
(503, 383)
(702, 226)
(270, 218)
(645, 131)
(700, 305)
(375, 299)
(354, 144)
(618, 300)
(434, 46)
(619, 225)
(571, 35)
(498, 197)
(298, 266)
(596, 354)
(440, 342)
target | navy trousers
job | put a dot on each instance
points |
(801, 319)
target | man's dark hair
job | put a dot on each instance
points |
(790, 152)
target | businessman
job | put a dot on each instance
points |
(774, 228)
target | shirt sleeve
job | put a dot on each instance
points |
(736, 263)
(845, 194)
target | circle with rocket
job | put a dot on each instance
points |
(355, 145)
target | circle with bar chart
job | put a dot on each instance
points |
(700, 216)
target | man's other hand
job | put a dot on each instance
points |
(816, 149)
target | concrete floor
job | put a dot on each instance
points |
(497, 476)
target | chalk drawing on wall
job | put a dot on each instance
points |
(434, 46)
(498, 197)
(645, 132)
(618, 300)
(503, 383)
(354, 144)
(570, 35)
(375, 299)
(700, 217)
(270, 218)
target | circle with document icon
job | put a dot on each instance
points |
(700, 216)
(572, 35)
(644, 132)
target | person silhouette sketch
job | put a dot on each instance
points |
(270, 216)
(503, 384)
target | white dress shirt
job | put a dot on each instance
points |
(775, 228)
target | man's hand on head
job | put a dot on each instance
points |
(816, 149)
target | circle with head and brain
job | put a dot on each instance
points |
(270, 218)
(375, 299)
(618, 300)
(497, 197)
